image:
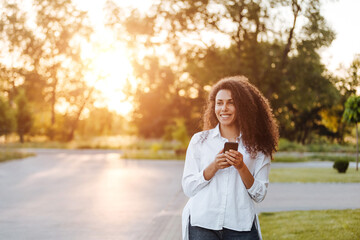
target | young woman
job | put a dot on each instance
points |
(223, 186)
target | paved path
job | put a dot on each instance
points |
(81, 194)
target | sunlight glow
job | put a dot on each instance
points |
(115, 68)
(109, 58)
(110, 69)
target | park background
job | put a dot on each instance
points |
(135, 76)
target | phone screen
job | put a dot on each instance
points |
(231, 145)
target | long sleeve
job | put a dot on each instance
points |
(261, 178)
(224, 201)
(193, 178)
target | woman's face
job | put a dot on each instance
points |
(225, 108)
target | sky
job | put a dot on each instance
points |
(344, 17)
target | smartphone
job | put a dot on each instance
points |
(231, 145)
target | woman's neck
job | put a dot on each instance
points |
(229, 132)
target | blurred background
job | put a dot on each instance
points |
(74, 71)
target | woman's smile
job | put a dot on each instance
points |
(225, 116)
(225, 108)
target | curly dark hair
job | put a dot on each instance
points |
(254, 118)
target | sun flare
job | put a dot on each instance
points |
(109, 57)
(110, 68)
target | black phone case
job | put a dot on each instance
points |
(231, 145)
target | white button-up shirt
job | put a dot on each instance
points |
(223, 201)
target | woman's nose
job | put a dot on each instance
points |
(225, 106)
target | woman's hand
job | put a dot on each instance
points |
(220, 161)
(234, 158)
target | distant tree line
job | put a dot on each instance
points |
(180, 48)
(207, 40)
(42, 86)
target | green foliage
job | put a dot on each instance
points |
(177, 131)
(154, 108)
(352, 115)
(156, 147)
(352, 110)
(102, 122)
(24, 115)
(329, 147)
(283, 63)
(288, 146)
(341, 165)
(290, 159)
(326, 146)
(7, 119)
(46, 60)
(331, 157)
(354, 75)
(299, 157)
(286, 67)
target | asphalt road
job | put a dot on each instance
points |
(93, 194)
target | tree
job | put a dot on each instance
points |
(23, 116)
(308, 93)
(354, 73)
(282, 60)
(177, 131)
(46, 59)
(61, 24)
(347, 86)
(19, 51)
(153, 111)
(99, 122)
(352, 115)
(7, 120)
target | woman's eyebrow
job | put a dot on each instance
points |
(224, 99)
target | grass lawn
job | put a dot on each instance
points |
(306, 175)
(315, 157)
(6, 155)
(315, 225)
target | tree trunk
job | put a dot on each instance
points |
(53, 100)
(21, 137)
(296, 9)
(73, 127)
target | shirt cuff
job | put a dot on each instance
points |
(202, 177)
(257, 191)
(253, 189)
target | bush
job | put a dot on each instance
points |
(341, 165)
(288, 146)
(155, 147)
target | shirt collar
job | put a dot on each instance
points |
(216, 133)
